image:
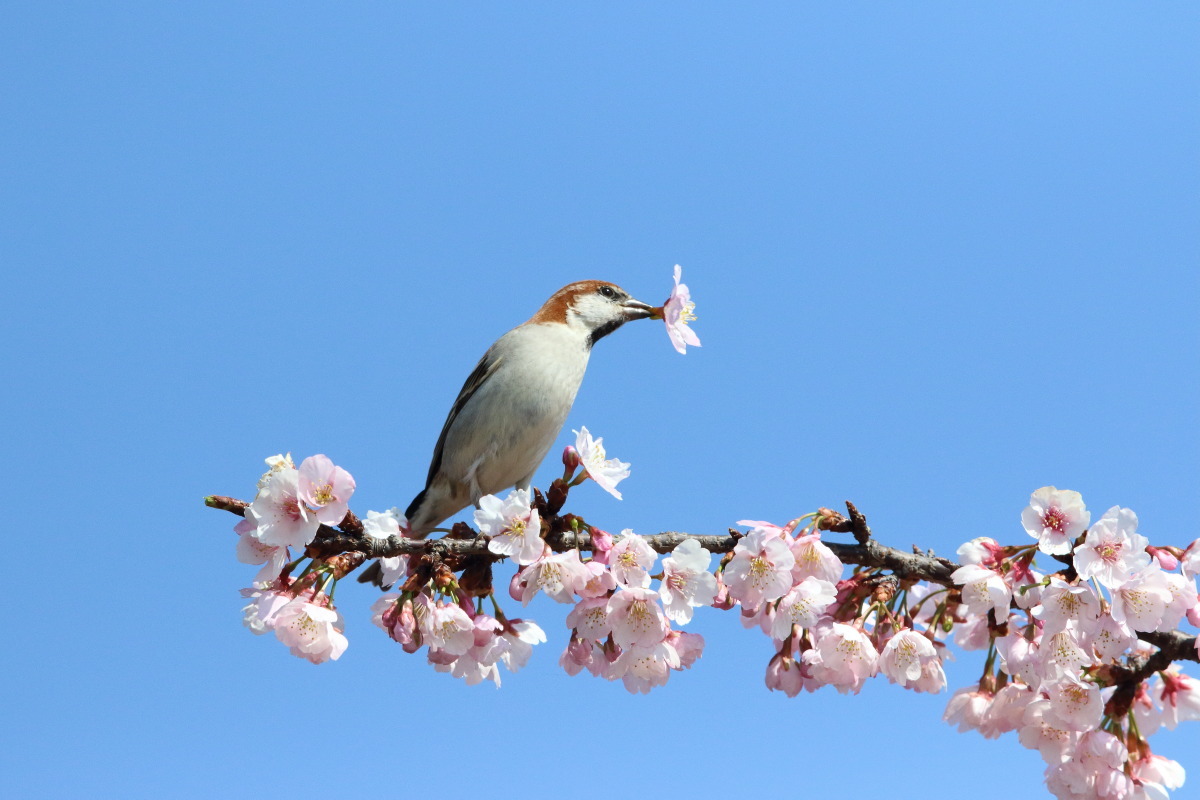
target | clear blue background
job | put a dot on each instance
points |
(943, 254)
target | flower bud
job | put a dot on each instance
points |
(602, 544)
(1166, 559)
(570, 458)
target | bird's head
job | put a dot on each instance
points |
(595, 308)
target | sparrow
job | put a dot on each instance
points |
(513, 405)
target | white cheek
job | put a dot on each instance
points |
(591, 311)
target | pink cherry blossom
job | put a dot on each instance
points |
(1040, 731)
(589, 618)
(280, 519)
(643, 668)
(1066, 604)
(689, 646)
(559, 575)
(933, 678)
(1113, 551)
(967, 709)
(1021, 657)
(1183, 599)
(1062, 651)
(787, 675)
(397, 620)
(1007, 710)
(251, 551)
(275, 463)
(803, 605)
(444, 626)
(844, 658)
(982, 550)
(761, 568)
(478, 663)
(677, 312)
(326, 487)
(1140, 602)
(1158, 774)
(631, 560)
(599, 583)
(578, 654)
(1056, 518)
(265, 602)
(513, 526)
(815, 559)
(636, 618)
(904, 657)
(606, 472)
(686, 581)
(1111, 639)
(974, 633)
(1190, 563)
(311, 631)
(1075, 704)
(521, 635)
(983, 590)
(1094, 769)
(1180, 697)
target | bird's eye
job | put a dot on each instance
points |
(608, 292)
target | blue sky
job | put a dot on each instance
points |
(943, 254)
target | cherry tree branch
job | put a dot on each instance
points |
(349, 538)
(568, 532)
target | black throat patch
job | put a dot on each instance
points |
(604, 330)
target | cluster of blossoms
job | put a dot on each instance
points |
(619, 630)
(290, 506)
(826, 631)
(434, 611)
(1059, 645)
(620, 625)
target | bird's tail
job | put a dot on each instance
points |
(415, 506)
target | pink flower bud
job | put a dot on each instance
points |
(1165, 559)
(602, 543)
(579, 652)
(784, 674)
(515, 589)
(722, 600)
(570, 458)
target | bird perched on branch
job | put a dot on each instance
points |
(513, 405)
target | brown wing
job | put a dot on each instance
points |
(483, 370)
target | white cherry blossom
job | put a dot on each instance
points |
(606, 472)
(513, 526)
(1113, 551)
(686, 582)
(1056, 518)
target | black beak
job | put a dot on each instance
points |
(636, 309)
